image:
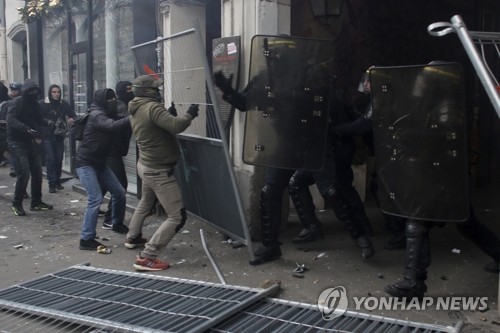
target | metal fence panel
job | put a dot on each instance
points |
(205, 172)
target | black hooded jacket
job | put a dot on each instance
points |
(100, 132)
(122, 144)
(52, 109)
(24, 115)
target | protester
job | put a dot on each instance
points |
(154, 130)
(24, 137)
(120, 148)
(58, 114)
(99, 135)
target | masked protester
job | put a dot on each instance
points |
(58, 115)
(24, 137)
(120, 147)
(99, 136)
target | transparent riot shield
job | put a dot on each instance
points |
(420, 141)
(288, 102)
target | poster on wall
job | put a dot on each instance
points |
(226, 57)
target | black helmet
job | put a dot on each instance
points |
(282, 53)
(15, 86)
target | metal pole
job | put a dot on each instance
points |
(477, 61)
(214, 265)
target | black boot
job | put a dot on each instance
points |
(417, 261)
(309, 234)
(264, 254)
(366, 246)
(407, 288)
(270, 218)
(349, 209)
(304, 206)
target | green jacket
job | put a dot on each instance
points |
(154, 130)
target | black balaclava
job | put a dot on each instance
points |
(121, 91)
(101, 98)
(30, 92)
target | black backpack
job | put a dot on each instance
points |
(78, 127)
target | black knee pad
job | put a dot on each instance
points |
(415, 229)
(270, 196)
(265, 193)
(296, 185)
(332, 193)
(183, 220)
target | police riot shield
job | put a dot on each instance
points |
(287, 100)
(420, 141)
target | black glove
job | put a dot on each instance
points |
(193, 110)
(172, 110)
(223, 83)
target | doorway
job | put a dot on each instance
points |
(78, 92)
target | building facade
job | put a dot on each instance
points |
(88, 47)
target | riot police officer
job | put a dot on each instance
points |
(276, 181)
(362, 125)
(272, 90)
(334, 183)
(420, 136)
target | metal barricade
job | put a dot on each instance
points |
(205, 171)
(484, 41)
(476, 44)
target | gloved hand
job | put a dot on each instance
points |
(50, 124)
(223, 83)
(193, 110)
(172, 110)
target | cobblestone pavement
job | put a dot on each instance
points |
(45, 242)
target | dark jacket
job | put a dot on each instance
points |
(123, 142)
(24, 115)
(52, 110)
(123, 98)
(100, 133)
(4, 106)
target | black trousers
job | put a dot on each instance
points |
(28, 163)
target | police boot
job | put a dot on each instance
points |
(309, 234)
(264, 254)
(357, 209)
(354, 220)
(304, 206)
(366, 246)
(270, 218)
(417, 261)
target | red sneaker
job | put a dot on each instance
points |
(148, 264)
